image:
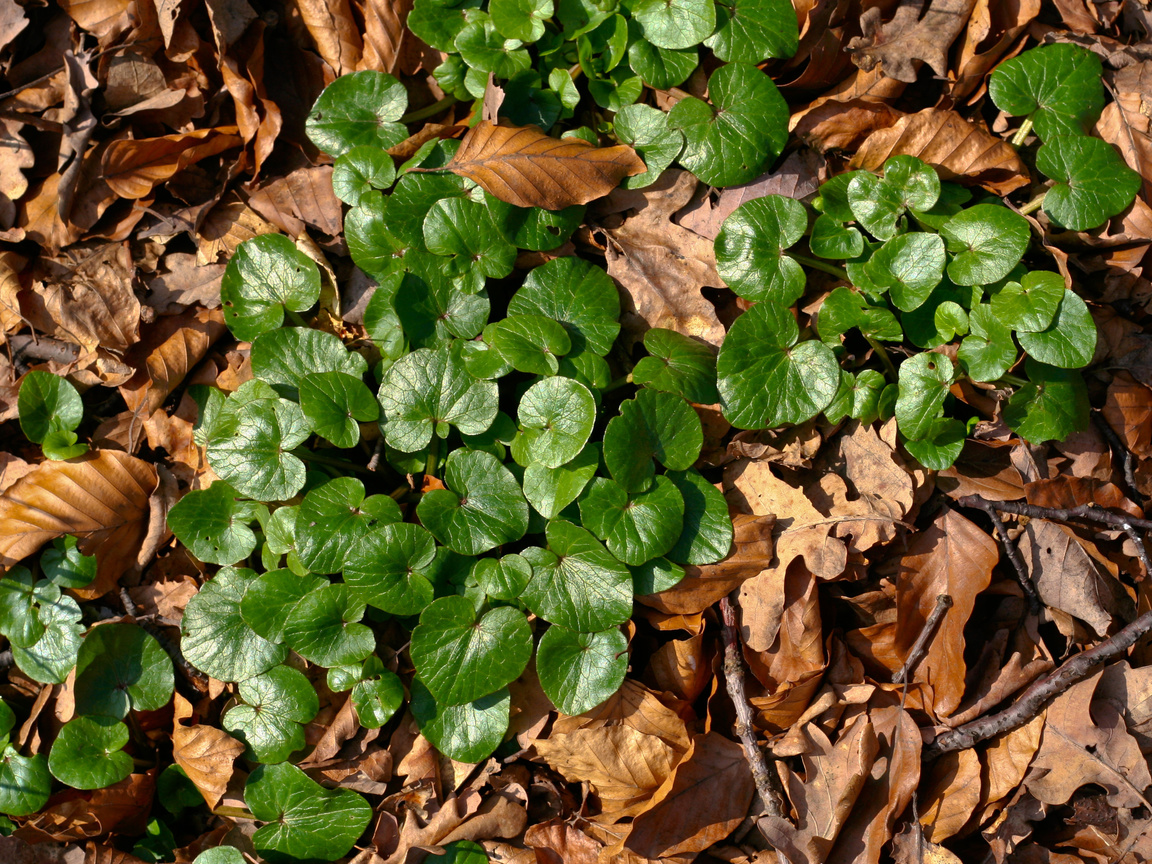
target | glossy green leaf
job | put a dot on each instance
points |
(831, 238)
(216, 639)
(749, 31)
(550, 490)
(578, 671)
(530, 343)
(765, 378)
(335, 404)
(377, 699)
(220, 855)
(270, 721)
(858, 397)
(576, 582)
(271, 598)
(391, 569)
(284, 357)
(122, 667)
(532, 227)
(374, 248)
(988, 351)
(909, 266)
(941, 444)
(832, 200)
(707, 534)
(322, 627)
(334, 518)
(467, 733)
(438, 22)
(653, 425)
(556, 417)
(1058, 86)
(734, 139)
(1093, 183)
(986, 242)
(356, 110)
(432, 309)
(661, 68)
(303, 819)
(88, 753)
(413, 197)
(25, 782)
(47, 403)
(636, 527)
(265, 276)
(675, 23)
(520, 19)
(51, 657)
(503, 578)
(1052, 406)
(462, 228)
(486, 50)
(577, 294)
(877, 203)
(1069, 341)
(482, 508)
(844, 309)
(460, 657)
(360, 169)
(213, 524)
(678, 364)
(924, 382)
(20, 599)
(64, 563)
(646, 130)
(1030, 304)
(750, 254)
(59, 445)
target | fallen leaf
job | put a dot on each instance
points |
(302, 198)
(1007, 757)
(910, 847)
(952, 795)
(185, 282)
(11, 319)
(637, 707)
(226, 226)
(898, 46)
(98, 17)
(86, 294)
(557, 842)
(204, 752)
(100, 854)
(78, 815)
(384, 33)
(993, 34)
(525, 167)
(1128, 410)
(1063, 491)
(334, 31)
(959, 150)
(167, 355)
(680, 667)
(132, 168)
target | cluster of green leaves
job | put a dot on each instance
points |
(929, 267)
(1059, 91)
(50, 409)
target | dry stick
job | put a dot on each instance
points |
(1009, 548)
(734, 680)
(1083, 513)
(1117, 446)
(920, 647)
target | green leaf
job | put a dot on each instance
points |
(831, 238)
(271, 598)
(8, 719)
(220, 855)
(636, 527)
(120, 668)
(377, 699)
(578, 671)
(322, 627)
(1051, 407)
(653, 425)
(920, 325)
(550, 490)
(433, 309)
(430, 388)
(411, 200)
(334, 518)
(503, 578)
(284, 357)
(765, 378)
(1093, 183)
(265, 276)
(482, 508)
(60, 445)
(532, 227)
(374, 248)
(47, 403)
(986, 242)
(460, 657)
(392, 569)
(577, 294)
(25, 782)
(940, 446)
(51, 657)
(213, 524)
(88, 753)
(462, 228)
(20, 600)
(1058, 86)
(707, 534)
(359, 170)
(858, 397)
(661, 68)
(216, 639)
(924, 382)
(749, 31)
(750, 249)
(1029, 305)
(877, 203)
(467, 733)
(277, 705)
(335, 404)
(64, 563)
(556, 418)
(646, 130)
(528, 103)
(520, 19)
(909, 266)
(675, 23)
(1069, 341)
(304, 820)
(357, 110)
(734, 139)
(844, 309)
(988, 351)
(678, 364)
(438, 22)
(576, 582)
(485, 50)
(833, 198)
(530, 343)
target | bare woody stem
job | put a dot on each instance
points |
(1010, 549)
(927, 632)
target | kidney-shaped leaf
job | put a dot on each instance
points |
(986, 242)
(909, 266)
(271, 718)
(556, 417)
(284, 356)
(1092, 182)
(47, 403)
(334, 518)
(578, 671)
(265, 276)
(636, 527)
(391, 569)
(322, 627)
(678, 364)
(358, 110)
(1058, 86)
(652, 425)
(579, 295)
(213, 524)
(482, 508)
(1069, 341)
(750, 249)
(88, 753)
(467, 733)
(121, 667)
(1030, 304)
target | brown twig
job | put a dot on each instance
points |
(1125, 456)
(734, 680)
(927, 632)
(1084, 513)
(1010, 549)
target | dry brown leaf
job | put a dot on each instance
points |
(1007, 757)
(525, 167)
(637, 707)
(1065, 491)
(1128, 410)
(86, 295)
(132, 168)
(226, 226)
(910, 847)
(1126, 122)
(557, 842)
(848, 113)
(101, 854)
(958, 150)
(334, 31)
(121, 807)
(680, 667)
(204, 752)
(101, 498)
(703, 800)
(11, 318)
(384, 33)
(952, 795)
(898, 46)
(993, 34)
(450, 816)
(98, 17)
(167, 355)
(303, 197)
(12, 21)
(185, 282)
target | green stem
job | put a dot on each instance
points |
(622, 381)
(234, 813)
(1012, 380)
(817, 264)
(1022, 132)
(399, 492)
(1033, 205)
(309, 456)
(429, 110)
(433, 456)
(295, 318)
(878, 349)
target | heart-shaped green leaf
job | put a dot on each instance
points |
(732, 140)
(909, 266)
(322, 627)
(374, 248)
(467, 733)
(482, 508)
(988, 351)
(213, 524)
(844, 309)
(831, 238)
(392, 568)
(462, 229)
(653, 425)
(271, 598)
(765, 378)
(707, 534)
(335, 404)
(924, 382)
(556, 417)
(432, 309)
(661, 68)
(529, 343)
(678, 364)
(750, 31)
(377, 699)
(265, 276)
(1093, 183)
(360, 170)
(217, 640)
(88, 753)
(51, 657)
(47, 403)
(460, 657)
(334, 518)
(438, 22)
(284, 357)
(986, 242)
(357, 110)
(579, 295)
(576, 582)
(413, 197)
(121, 667)
(550, 490)
(832, 199)
(877, 203)
(25, 782)
(485, 50)
(858, 397)
(636, 527)
(64, 563)
(750, 249)
(430, 388)
(1052, 406)
(578, 671)
(503, 578)
(1058, 86)
(1069, 341)
(532, 227)
(675, 23)
(520, 19)
(1029, 305)
(646, 130)
(220, 855)
(940, 446)
(304, 821)
(271, 719)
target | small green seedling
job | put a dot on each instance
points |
(50, 410)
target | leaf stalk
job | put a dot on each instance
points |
(824, 266)
(1022, 132)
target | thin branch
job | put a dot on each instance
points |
(1010, 549)
(1125, 456)
(927, 632)
(1084, 513)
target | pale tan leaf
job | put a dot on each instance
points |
(951, 796)
(184, 282)
(98, 17)
(204, 752)
(302, 198)
(899, 46)
(182, 342)
(1007, 758)
(11, 264)
(87, 293)
(226, 226)
(525, 167)
(101, 498)
(334, 31)
(132, 168)
(1127, 123)
(958, 150)
(680, 667)
(992, 35)
(384, 33)
(636, 706)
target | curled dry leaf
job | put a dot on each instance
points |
(525, 167)
(959, 150)
(204, 752)
(951, 796)
(334, 31)
(132, 168)
(898, 45)
(176, 345)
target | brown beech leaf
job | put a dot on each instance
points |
(557, 842)
(1007, 758)
(384, 33)
(992, 35)
(333, 29)
(951, 796)
(1126, 122)
(98, 17)
(898, 45)
(1128, 410)
(204, 752)
(185, 282)
(167, 354)
(959, 150)
(637, 707)
(303, 197)
(524, 166)
(85, 296)
(101, 498)
(132, 168)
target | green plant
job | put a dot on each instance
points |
(50, 410)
